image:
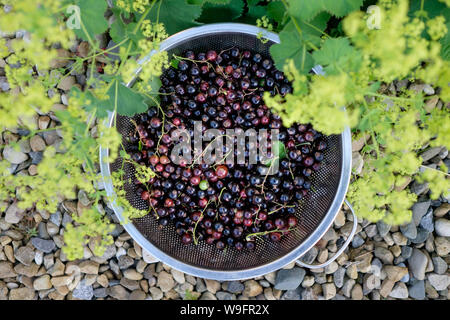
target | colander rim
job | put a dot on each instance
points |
(227, 275)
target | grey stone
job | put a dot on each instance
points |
(100, 293)
(56, 218)
(440, 266)
(235, 287)
(357, 241)
(417, 290)
(46, 246)
(383, 228)
(338, 277)
(406, 252)
(14, 156)
(371, 230)
(36, 157)
(384, 255)
(422, 235)
(409, 230)
(419, 209)
(83, 291)
(400, 291)
(419, 188)
(222, 295)
(125, 262)
(430, 153)
(418, 264)
(427, 221)
(310, 256)
(292, 294)
(443, 227)
(439, 281)
(289, 279)
(118, 292)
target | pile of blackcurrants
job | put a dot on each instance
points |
(223, 204)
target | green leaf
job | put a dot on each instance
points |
(276, 10)
(92, 18)
(307, 9)
(118, 30)
(294, 45)
(90, 102)
(176, 15)
(337, 55)
(279, 152)
(445, 44)
(129, 102)
(221, 11)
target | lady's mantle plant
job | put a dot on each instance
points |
(410, 42)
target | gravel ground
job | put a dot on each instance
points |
(382, 262)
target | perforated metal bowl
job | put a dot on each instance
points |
(316, 212)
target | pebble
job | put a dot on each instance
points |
(422, 236)
(118, 292)
(13, 156)
(148, 258)
(22, 294)
(289, 279)
(440, 266)
(439, 281)
(357, 163)
(178, 276)
(417, 264)
(384, 255)
(222, 295)
(427, 221)
(308, 281)
(208, 296)
(386, 287)
(357, 292)
(37, 143)
(165, 281)
(236, 286)
(329, 290)
(442, 246)
(24, 255)
(310, 255)
(66, 83)
(442, 227)
(409, 230)
(6, 270)
(14, 214)
(395, 273)
(442, 210)
(252, 288)
(83, 291)
(89, 267)
(338, 277)
(292, 295)
(419, 209)
(400, 291)
(132, 274)
(357, 241)
(125, 262)
(45, 246)
(417, 290)
(383, 228)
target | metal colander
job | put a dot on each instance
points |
(315, 213)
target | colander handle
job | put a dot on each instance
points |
(344, 246)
